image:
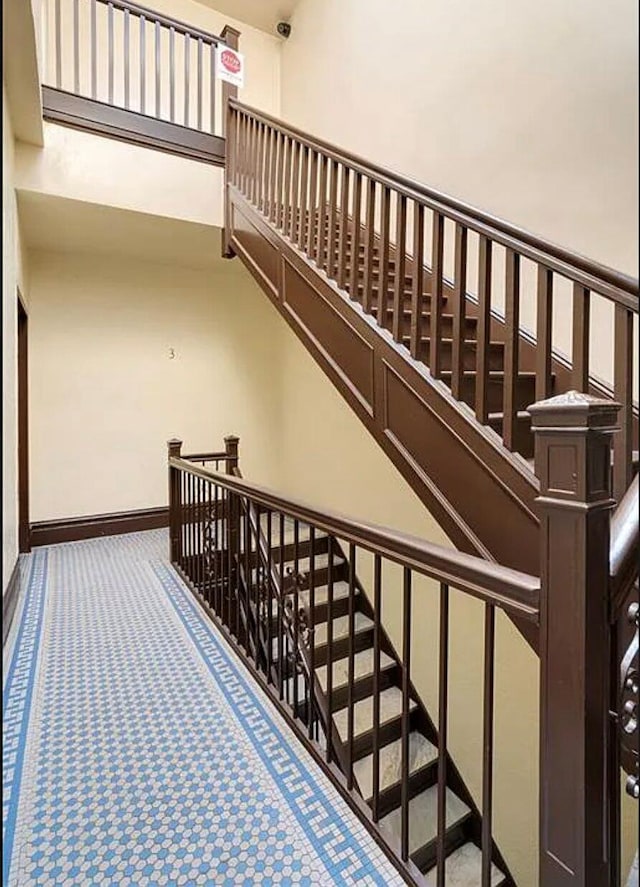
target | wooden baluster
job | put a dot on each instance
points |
(288, 167)
(304, 184)
(296, 615)
(312, 232)
(406, 681)
(111, 52)
(212, 87)
(158, 67)
(369, 247)
(573, 453)
(280, 141)
(333, 215)
(580, 349)
(377, 617)
(274, 198)
(417, 283)
(311, 714)
(484, 330)
(344, 227)
(280, 609)
(172, 74)
(76, 46)
(143, 64)
(487, 742)
(187, 77)
(217, 579)
(459, 311)
(623, 393)
(511, 348)
(383, 270)
(329, 694)
(260, 168)
(544, 342)
(351, 663)
(58, 19)
(126, 51)
(401, 253)
(295, 191)
(443, 711)
(269, 599)
(94, 49)
(200, 82)
(321, 247)
(356, 237)
(253, 157)
(437, 273)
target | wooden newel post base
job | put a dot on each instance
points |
(573, 435)
(174, 449)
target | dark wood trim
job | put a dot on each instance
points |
(79, 112)
(24, 542)
(10, 599)
(72, 529)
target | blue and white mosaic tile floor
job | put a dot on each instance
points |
(137, 750)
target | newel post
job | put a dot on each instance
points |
(174, 448)
(231, 444)
(231, 37)
(573, 435)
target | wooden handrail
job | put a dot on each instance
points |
(164, 20)
(514, 592)
(609, 282)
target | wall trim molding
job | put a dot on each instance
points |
(10, 599)
(73, 529)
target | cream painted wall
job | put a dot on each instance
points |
(14, 275)
(528, 110)
(105, 395)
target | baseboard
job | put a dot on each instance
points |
(10, 600)
(72, 529)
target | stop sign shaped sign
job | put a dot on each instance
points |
(230, 65)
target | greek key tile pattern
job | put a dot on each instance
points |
(138, 750)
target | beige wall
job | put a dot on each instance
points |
(528, 110)
(13, 276)
(105, 395)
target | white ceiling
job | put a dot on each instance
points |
(54, 223)
(263, 14)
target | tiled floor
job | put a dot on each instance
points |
(137, 750)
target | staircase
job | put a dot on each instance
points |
(343, 623)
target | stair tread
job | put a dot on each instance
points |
(390, 708)
(421, 753)
(340, 591)
(463, 868)
(304, 563)
(304, 531)
(341, 628)
(423, 817)
(362, 667)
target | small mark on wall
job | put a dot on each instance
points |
(172, 353)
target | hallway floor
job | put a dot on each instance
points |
(138, 750)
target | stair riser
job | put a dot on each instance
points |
(525, 392)
(496, 355)
(304, 550)
(388, 300)
(363, 688)
(524, 441)
(446, 330)
(340, 608)
(391, 798)
(425, 858)
(389, 732)
(340, 648)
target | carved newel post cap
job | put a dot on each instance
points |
(174, 446)
(574, 410)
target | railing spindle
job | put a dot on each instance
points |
(417, 282)
(511, 348)
(623, 394)
(212, 87)
(443, 703)
(304, 183)
(143, 64)
(259, 196)
(218, 554)
(580, 349)
(273, 173)
(544, 342)
(487, 743)
(333, 216)
(484, 329)
(459, 309)
(94, 50)
(329, 693)
(311, 626)
(296, 616)
(187, 80)
(406, 677)
(111, 52)
(400, 265)
(321, 247)
(280, 608)
(280, 140)
(383, 268)
(158, 71)
(269, 597)
(377, 616)
(200, 82)
(58, 18)
(437, 273)
(369, 249)
(312, 231)
(126, 52)
(295, 191)
(76, 46)
(247, 576)
(287, 209)
(351, 663)
(344, 226)
(356, 235)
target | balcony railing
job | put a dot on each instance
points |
(119, 69)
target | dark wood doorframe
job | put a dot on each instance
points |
(24, 540)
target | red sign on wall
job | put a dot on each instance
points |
(230, 65)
